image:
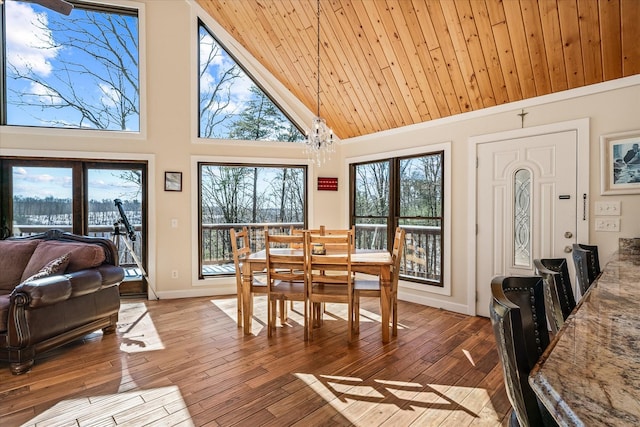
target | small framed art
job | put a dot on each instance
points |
(173, 181)
(620, 163)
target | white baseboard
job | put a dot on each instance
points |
(432, 302)
(198, 292)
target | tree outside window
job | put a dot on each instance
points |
(406, 192)
(231, 105)
(76, 71)
(257, 196)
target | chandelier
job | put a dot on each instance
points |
(319, 143)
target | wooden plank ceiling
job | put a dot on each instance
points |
(391, 63)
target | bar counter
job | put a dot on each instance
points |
(590, 373)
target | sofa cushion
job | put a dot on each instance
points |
(81, 256)
(14, 257)
(55, 266)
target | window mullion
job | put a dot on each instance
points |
(394, 202)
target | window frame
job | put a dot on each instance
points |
(393, 217)
(198, 163)
(131, 8)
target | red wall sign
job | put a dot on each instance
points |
(327, 184)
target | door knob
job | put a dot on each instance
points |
(568, 234)
(568, 249)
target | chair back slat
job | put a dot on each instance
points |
(396, 256)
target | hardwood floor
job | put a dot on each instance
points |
(185, 362)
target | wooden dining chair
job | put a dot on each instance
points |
(341, 232)
(518, 318)
(287, 278)
(299, 232)
(372, 287)
(558, 294)
(330, 277)
(241, 248)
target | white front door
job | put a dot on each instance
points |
(527, 206)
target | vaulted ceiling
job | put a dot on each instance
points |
(391, 63)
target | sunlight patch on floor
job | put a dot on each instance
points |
(136, 330)
(295, 317)
(228, 306)
(164, 405)
(467, 353)
(259, 320)
(351, 396)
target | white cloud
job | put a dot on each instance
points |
(110, 96)
(207, 46)
(19, 171)
(44, 95)
(28, 45)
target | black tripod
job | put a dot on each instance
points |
(120, 236)
(124, 232)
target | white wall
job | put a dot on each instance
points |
(610, 107)
(168, 142)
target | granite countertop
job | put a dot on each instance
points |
(590, 373)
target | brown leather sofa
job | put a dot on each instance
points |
(54, 288)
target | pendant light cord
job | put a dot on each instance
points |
(318, 64)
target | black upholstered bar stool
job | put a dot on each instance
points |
(593, 266)
(518, 318)
(587, 263)
(558, 294)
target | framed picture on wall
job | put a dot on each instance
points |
(620, 163)
(173, 181)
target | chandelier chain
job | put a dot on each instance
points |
(319, 143)
(318, 58)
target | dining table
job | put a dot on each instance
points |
(370, 262)
(589, 375)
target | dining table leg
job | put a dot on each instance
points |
(385, 302)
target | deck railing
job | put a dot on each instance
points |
(421, 258)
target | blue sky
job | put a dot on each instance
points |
(42, 182)
(35, 48)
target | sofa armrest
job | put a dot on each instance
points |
(111, 275)
(60, 287)
(42, 292)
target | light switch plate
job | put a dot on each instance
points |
(608, 208)
(607, 224)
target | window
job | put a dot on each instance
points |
(78, 196)
(78, 71)
(406, 192)
(236, 195)
(231, 105)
